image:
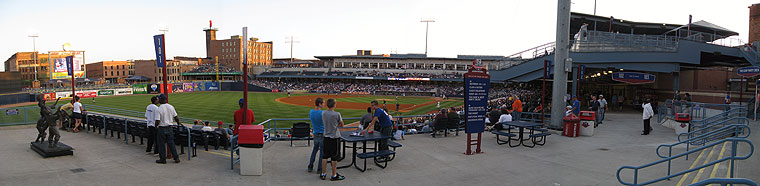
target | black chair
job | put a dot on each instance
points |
(198, 137)
(452, 124)
(142, 131)
(180, 138)
(132, 129)
(300, 132)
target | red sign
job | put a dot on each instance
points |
(88, 94)
(49, 96)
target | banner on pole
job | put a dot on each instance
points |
(158, 41)
(70, 65)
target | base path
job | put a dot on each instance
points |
(308, 101)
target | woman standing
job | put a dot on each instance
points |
(77, 114)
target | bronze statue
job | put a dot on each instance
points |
(47, 121)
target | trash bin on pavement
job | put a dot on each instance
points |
(251, 141)
(588, 119)
(570, 125)
(683, 120)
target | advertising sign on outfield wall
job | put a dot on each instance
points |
(105, 92)
(187, 87)
(123, 91)
(139, 89)
(212, 86)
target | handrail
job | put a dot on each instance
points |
(725, 181)
(126, 128)
(737, 129)
(732, 158)
(705, 128)
(729, 113)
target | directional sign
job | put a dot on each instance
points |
(475, 100)
(748, 71)
(633, 77)
(158, 41)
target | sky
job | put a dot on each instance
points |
(123, 30)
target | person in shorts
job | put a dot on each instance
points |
(77, 113)
(332, 120)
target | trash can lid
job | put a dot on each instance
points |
(571, 117)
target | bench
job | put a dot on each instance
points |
(507, 134)
(542, 137)
(375, 155)
(393, 145)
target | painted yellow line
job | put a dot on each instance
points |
(683, 178)
(720, 156)
(702, 170)
(218, 153)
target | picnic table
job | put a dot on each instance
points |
(346, 137)
(521, 126)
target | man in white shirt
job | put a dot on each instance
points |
(150, 116)
(602, 108)
(164, 118)
(647, 115)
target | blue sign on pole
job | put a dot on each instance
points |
(70, 65)
(748, 71)
(158, 41)
(476, 100)
(582, 71)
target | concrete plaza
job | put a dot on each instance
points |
(421, 161)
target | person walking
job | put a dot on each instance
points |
(77, 113)
(647, 115)
(576, 106)
(595, 108)
(332, 120)
(166, 113)
(315, 115)
(602, 108)
(386, 127)
(150, 116)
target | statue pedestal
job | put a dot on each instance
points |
(46, 152)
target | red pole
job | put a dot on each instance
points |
(73, 82)
(543, 94)
(245, 74)
(163, 50)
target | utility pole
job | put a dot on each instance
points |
(427, 25)
(560, 59)
(291, 41)
(34, 45)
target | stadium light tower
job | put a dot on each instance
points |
(427, 22)
(291, 41)
(34, 46)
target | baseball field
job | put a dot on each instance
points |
(219, 106)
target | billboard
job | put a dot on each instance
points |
(198, 87)
(188, 87)
(123, 91)
(105, 92)
(154, 88)
(177, 88)
(87, 93)
(49, 96)
(139, 89)
(60, 68)
(212, 86)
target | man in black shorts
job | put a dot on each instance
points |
(332, 120)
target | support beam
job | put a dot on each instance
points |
(560, 56)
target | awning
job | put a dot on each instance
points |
(138, 78)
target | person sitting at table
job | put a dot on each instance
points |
(505, 117)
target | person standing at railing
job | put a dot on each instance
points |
(164, 118)
(150, 116)
(239, 120)
(332, 120)
(77, 113)
(315, 115)
(647, 116)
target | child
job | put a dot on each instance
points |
(332, 120)
(399, 134)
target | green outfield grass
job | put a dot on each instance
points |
(219, 106)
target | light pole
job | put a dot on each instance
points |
(34, 46)
(427, 24)
(291, 41)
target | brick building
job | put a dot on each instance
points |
(111, 71)
(230, 51)
(174, 68)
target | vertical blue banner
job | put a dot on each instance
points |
(475, 101)
(548, 64)
(582, 71)
(70, 65)
(158, 41)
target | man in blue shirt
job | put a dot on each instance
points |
(315, 115)
(386, 127)
(576, 106)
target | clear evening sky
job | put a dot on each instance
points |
(122, 30)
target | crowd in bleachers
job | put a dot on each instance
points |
(371, 73)
(502, 96)
(80, 86)
(320, 85)
(208, 68)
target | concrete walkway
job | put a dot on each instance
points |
(422, 161)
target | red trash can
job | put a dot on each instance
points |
(571, 125)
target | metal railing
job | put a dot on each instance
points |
(126, 128)
(725, 181)
(735, 112)
(128, 113)
(732, 157)
(697, 111)
(20, 115)
(712, 127)
(596, 41)
(736, 130)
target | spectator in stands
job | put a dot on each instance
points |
(493, 116)
(438, 121)
(452, 115)
(366, 118)
(386, 127)
(240, 120)
(206, 127)
(505, 116)
(166, 113)
(197, 125)
(332, 120)
(77, 113)
(315, 115)
(229, 129)
(399, 134)
(151, 113)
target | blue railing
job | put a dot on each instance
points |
(697, 111)
(731, 158)
(725, 181)
(128, 113)
(735, 129)
(126, 128)
(708, 128)
(735, 112)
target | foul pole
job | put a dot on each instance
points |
(245, 74)
(163, 51)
